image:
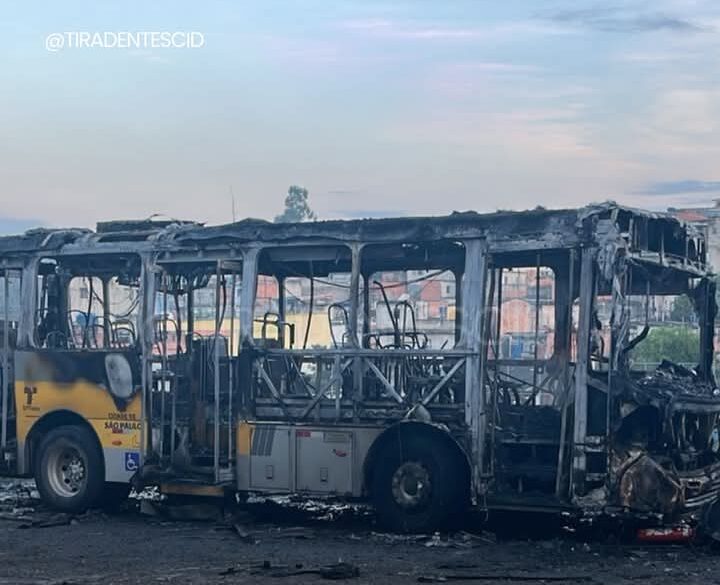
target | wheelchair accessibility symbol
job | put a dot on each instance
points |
(132, 461)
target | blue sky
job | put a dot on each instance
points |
(377, 107)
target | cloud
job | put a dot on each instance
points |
(305, 51)
(691, 112)
(680, 193)
(654, 57)
(421, 31)
(496, 67)
(615, 19)
(149, 56)
(685, 186)
(477, 80)
(535, 137)
(388, 28)
(676, 129)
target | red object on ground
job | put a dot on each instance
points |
(670, 534)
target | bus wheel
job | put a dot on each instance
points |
(418, 484)
(69, 469)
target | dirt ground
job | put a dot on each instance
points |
(280, 543)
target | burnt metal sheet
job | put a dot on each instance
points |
(514, 225)
(503, 230)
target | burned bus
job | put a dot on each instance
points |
(515, 360)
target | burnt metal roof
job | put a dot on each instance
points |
(559, 228)
(455, 225)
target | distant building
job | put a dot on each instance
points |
(707, 219)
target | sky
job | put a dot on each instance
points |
(377, 107)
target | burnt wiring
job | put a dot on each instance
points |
(633, 343)
(220, 319)
(346, 321)
(176, 301)
(89, 310)
(414, 335)
(160, 333)
(112, 323)
(287, 269)
(310, 307)
(393, 320)
(133, 306)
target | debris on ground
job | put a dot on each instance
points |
(334, 572)
(458, 540)
(391, 538)
(294, 532)
(18, 499)
(49, 520)
(243, 534)
(298, 547)
(294, 509)
(500, 577)
(193, 512)
(15, 517)
(666, 534)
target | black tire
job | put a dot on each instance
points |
(419, 484)
(69, 469)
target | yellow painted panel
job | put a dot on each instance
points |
(244, 438)
(114, 427)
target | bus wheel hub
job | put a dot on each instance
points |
(67, 473)
(411, 485)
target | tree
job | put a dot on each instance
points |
(677, 344)
(682, 310)
(296, 207)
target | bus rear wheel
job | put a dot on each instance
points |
(69, 469)
(418, 484)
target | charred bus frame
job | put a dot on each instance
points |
(420, 431)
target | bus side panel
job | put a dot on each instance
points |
(80, 382)
(312, 459)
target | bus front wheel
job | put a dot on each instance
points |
(69, 469)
